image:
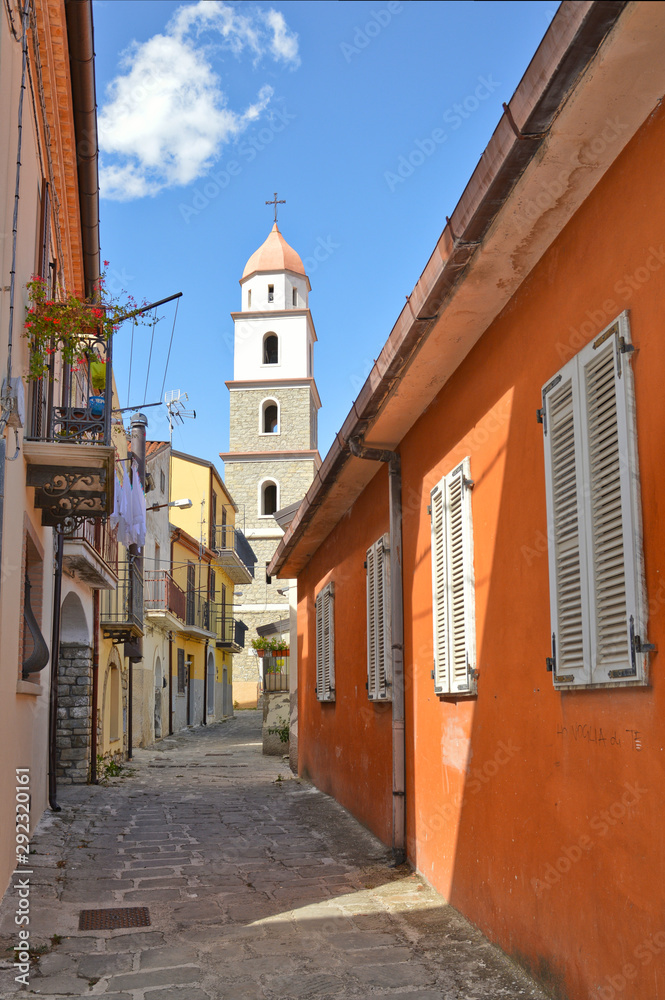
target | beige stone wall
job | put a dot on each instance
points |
(294, 419)
(242, 478)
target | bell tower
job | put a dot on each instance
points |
(273, 450)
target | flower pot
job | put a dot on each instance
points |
(96, 406)
(261, 653)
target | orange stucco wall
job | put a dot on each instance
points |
(537, 813)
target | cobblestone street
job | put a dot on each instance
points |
(258, 888)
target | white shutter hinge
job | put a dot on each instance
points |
(467, 483)
(550, 661)
(429, 509)
(625, 347)
(540, 415)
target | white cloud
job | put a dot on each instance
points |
(167, 116)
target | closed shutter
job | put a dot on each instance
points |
(379, 653)
(325, 645)
(568, 584)
(453, 592)
(596, 573)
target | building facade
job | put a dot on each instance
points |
(273, 453)
(50, 221)
(479, 561)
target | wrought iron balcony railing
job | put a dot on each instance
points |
(121, 612)
(230, 631)
(162, 594)
(234, 552)
(68, 435)
(91, 553)
(72, 405)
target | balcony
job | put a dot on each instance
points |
(234, 553)
(164, 600)
(90, 554)
(199, 615)
(230, 632)
(121, 613)
(67, 442)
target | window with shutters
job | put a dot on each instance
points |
(597, 599)
(325, 644)
(453, 594)
(379, 655)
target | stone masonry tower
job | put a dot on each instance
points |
(273, 454)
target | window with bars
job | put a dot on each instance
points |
(453, 594)
(325, 644)
(379, 656)
(597, 599)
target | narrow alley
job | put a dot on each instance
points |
(257, 886)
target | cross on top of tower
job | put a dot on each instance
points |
(275, 202)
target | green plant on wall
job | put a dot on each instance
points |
(282, 730)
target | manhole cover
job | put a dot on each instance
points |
(110, 920)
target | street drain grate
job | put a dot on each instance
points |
(111, 920)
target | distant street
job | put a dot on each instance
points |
(258, 887)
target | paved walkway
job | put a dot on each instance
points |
(258, 887)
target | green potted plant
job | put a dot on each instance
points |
(261, 645)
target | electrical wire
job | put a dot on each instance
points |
(170, 344)
(131, 352)
(152, 338)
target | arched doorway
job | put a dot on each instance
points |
(74, 729)
(211, 685)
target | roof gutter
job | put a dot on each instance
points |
(573, 39)
(80, 35)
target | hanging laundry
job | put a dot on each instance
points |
(138, 512)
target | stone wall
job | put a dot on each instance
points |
(294, 477)
(74, 726)
(275, 711)
(295, 430)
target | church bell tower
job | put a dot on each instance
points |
(273, 451)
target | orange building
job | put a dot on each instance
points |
(480, 557)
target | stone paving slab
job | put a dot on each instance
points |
(258, 888)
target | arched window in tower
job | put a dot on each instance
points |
(270, 349)
(249, 299)
(268, 498)
(269, 417)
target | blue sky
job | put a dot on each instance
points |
(206, 109)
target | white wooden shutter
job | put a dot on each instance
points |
(569, 609)
(453, 591)
(325, 644)
(596, 573)
(379, 652)
(439, 594)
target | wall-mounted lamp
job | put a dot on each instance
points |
(180, 504)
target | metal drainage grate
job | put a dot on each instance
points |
(111, 920)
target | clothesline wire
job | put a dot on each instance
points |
(166, 368)
(152, 338)
(131, 353)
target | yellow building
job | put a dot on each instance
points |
(190, 596)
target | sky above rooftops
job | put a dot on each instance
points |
(367, 118)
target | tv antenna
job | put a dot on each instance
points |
(175, 404)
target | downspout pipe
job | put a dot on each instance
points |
(55, 660)
(394, 463)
